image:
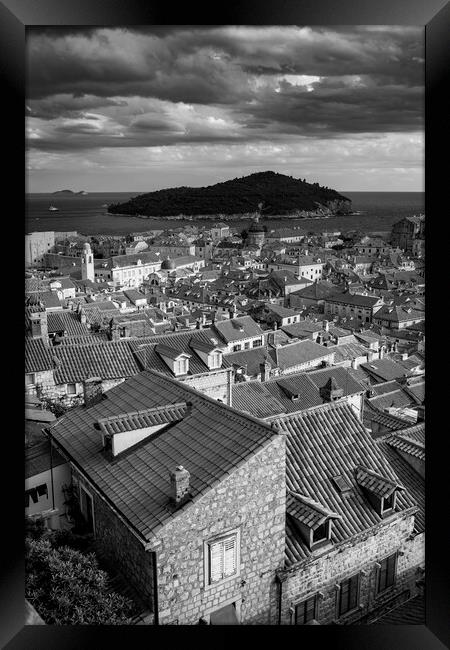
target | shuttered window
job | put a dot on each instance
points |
(348, 595)
(222, 558)
(386, 572)
(305, 611)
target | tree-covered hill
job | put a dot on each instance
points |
(278, 194)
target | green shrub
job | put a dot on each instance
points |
(67, 587)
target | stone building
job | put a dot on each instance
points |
(198, 530)
(37, 245)
(353, 549)
(405, 231)
(193, 357)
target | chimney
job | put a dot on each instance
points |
(265, 370)
(353, 364)
(83, 318)
(39, 327)
(370, 356)
(93, 391)
(326, 325)
(382, 352)
(179, 482)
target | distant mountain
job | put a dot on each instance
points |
(267, 192)
(69, 192)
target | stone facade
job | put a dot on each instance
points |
(214, 384)
(252, 501)
(321, 575)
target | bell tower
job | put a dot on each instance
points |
(87, 263)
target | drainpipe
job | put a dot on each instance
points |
(155, 588)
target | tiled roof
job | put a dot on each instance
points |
(121, 261)
(108, 360)
(398, 314)
(37, 356)
(307, 511)
(322, 443)
(348, 351)
(397, 398)
(145, 351)
(70, 322)
(410, 440)
(385, 387)
(230, 330)
(252, 359)
(353, 299)
(304, 328)
(316, 291)
(211, 442)
(373, 414)
(141, 419)
(255, 398)
(376, 483)
(385, 369)
(93, 338)
(294, 354)
(411, 479)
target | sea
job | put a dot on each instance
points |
(373, 212)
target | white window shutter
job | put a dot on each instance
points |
(216, 561)
(229, 556)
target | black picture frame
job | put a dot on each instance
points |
(434, 15)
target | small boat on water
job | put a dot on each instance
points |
(105, 205)
(53, 209)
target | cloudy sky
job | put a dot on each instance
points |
(138, 109)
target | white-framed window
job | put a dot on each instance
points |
(30, 379)
(181, 367)
(222, 558)
(71, 389)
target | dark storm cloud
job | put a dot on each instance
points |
(371, 80)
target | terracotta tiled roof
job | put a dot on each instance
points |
(294, 354)
(141, 419)
(307, 511)
(38, 357)
(108, 360)
(322, 443)
(237, 329)
(146, 354)
(211, 442)
(70, 323)
(374, 482)
(411, 479)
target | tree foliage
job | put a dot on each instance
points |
(67, 587)
(278, 193)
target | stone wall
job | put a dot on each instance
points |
(216, 385)
(119, 547)
(251, 500)
(321, 574)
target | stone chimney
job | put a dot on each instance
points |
(265, 370)
(93, 391)
(83, 318)
(369, 356)
(39, 327)
(180, 483)
(326, 325)
(353, 364)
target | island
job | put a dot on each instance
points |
(69, 192)
(263, 193)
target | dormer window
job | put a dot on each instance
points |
(312, 520)
(379, 490)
